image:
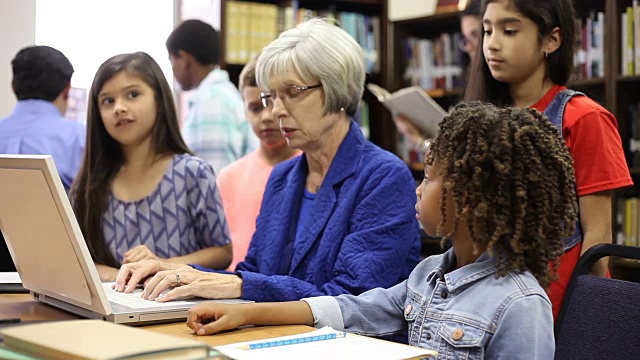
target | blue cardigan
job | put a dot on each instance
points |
(362, 232)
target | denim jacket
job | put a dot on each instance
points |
(555, 113)
(466, 313)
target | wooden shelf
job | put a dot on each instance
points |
(627, 79)
(437, 17)
(586, 82)
(443, 93)
(416, 166)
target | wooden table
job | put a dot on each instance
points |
(24, 307)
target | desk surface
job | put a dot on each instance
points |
(24, 307)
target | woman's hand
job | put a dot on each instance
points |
(131, 274)
(139, 253)
(189, 282)
(408, 129)
(107, 273)
(210, 318)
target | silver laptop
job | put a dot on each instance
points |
(50, 253)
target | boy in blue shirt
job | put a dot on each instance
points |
(37, 126)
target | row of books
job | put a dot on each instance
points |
(630, 34)
(589, 57)
(251, 26)
(434, 63)
(628, 222)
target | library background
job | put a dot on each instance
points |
(408, 42)
(416, 42)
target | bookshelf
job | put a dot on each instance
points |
(278, 15)
(611, 87)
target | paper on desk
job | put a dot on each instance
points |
(350, 347)
(10, 278)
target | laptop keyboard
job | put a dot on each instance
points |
(134, 300)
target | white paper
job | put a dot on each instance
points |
(350, 347)
(10, 278)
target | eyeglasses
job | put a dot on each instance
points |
(288, 92)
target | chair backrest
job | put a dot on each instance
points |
(600, 318)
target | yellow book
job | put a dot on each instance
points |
(244, 13)
(630, 42)
(627, 221)
(232, 40)
(99, 340)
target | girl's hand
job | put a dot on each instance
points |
(188, 282)
(139, 253)
(210, 318)
(408, 129)
(131, 274)
(107, 273)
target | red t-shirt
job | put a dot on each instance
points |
(591, 134)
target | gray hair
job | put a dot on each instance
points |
(317, 51)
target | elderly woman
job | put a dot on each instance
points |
(338, 219)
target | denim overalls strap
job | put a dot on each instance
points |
(555, 114)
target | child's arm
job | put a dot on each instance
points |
(213, 257)
(595, 216)
(106, 272)
(210, 318)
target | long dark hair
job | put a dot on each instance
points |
(547, 15)
(103, 156)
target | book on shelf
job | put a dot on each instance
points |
(414, 103)
(628, 221)
(630, 40)
(435, 63)
(589, 55)
(251, 26)
(96, 339)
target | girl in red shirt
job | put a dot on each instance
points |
(526, 60)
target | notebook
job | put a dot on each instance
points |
(349, 347)
(95, 339)
(50, 253)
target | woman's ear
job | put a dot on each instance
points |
(552, 42)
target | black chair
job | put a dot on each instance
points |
(599, 318)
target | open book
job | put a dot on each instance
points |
(320, 344)
(414, 103)
(96, 339)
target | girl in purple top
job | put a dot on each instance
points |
(140, 193)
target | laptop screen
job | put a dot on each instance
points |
(38, 222)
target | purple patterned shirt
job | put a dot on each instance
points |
(182, 215)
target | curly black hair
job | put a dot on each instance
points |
(512, 179)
